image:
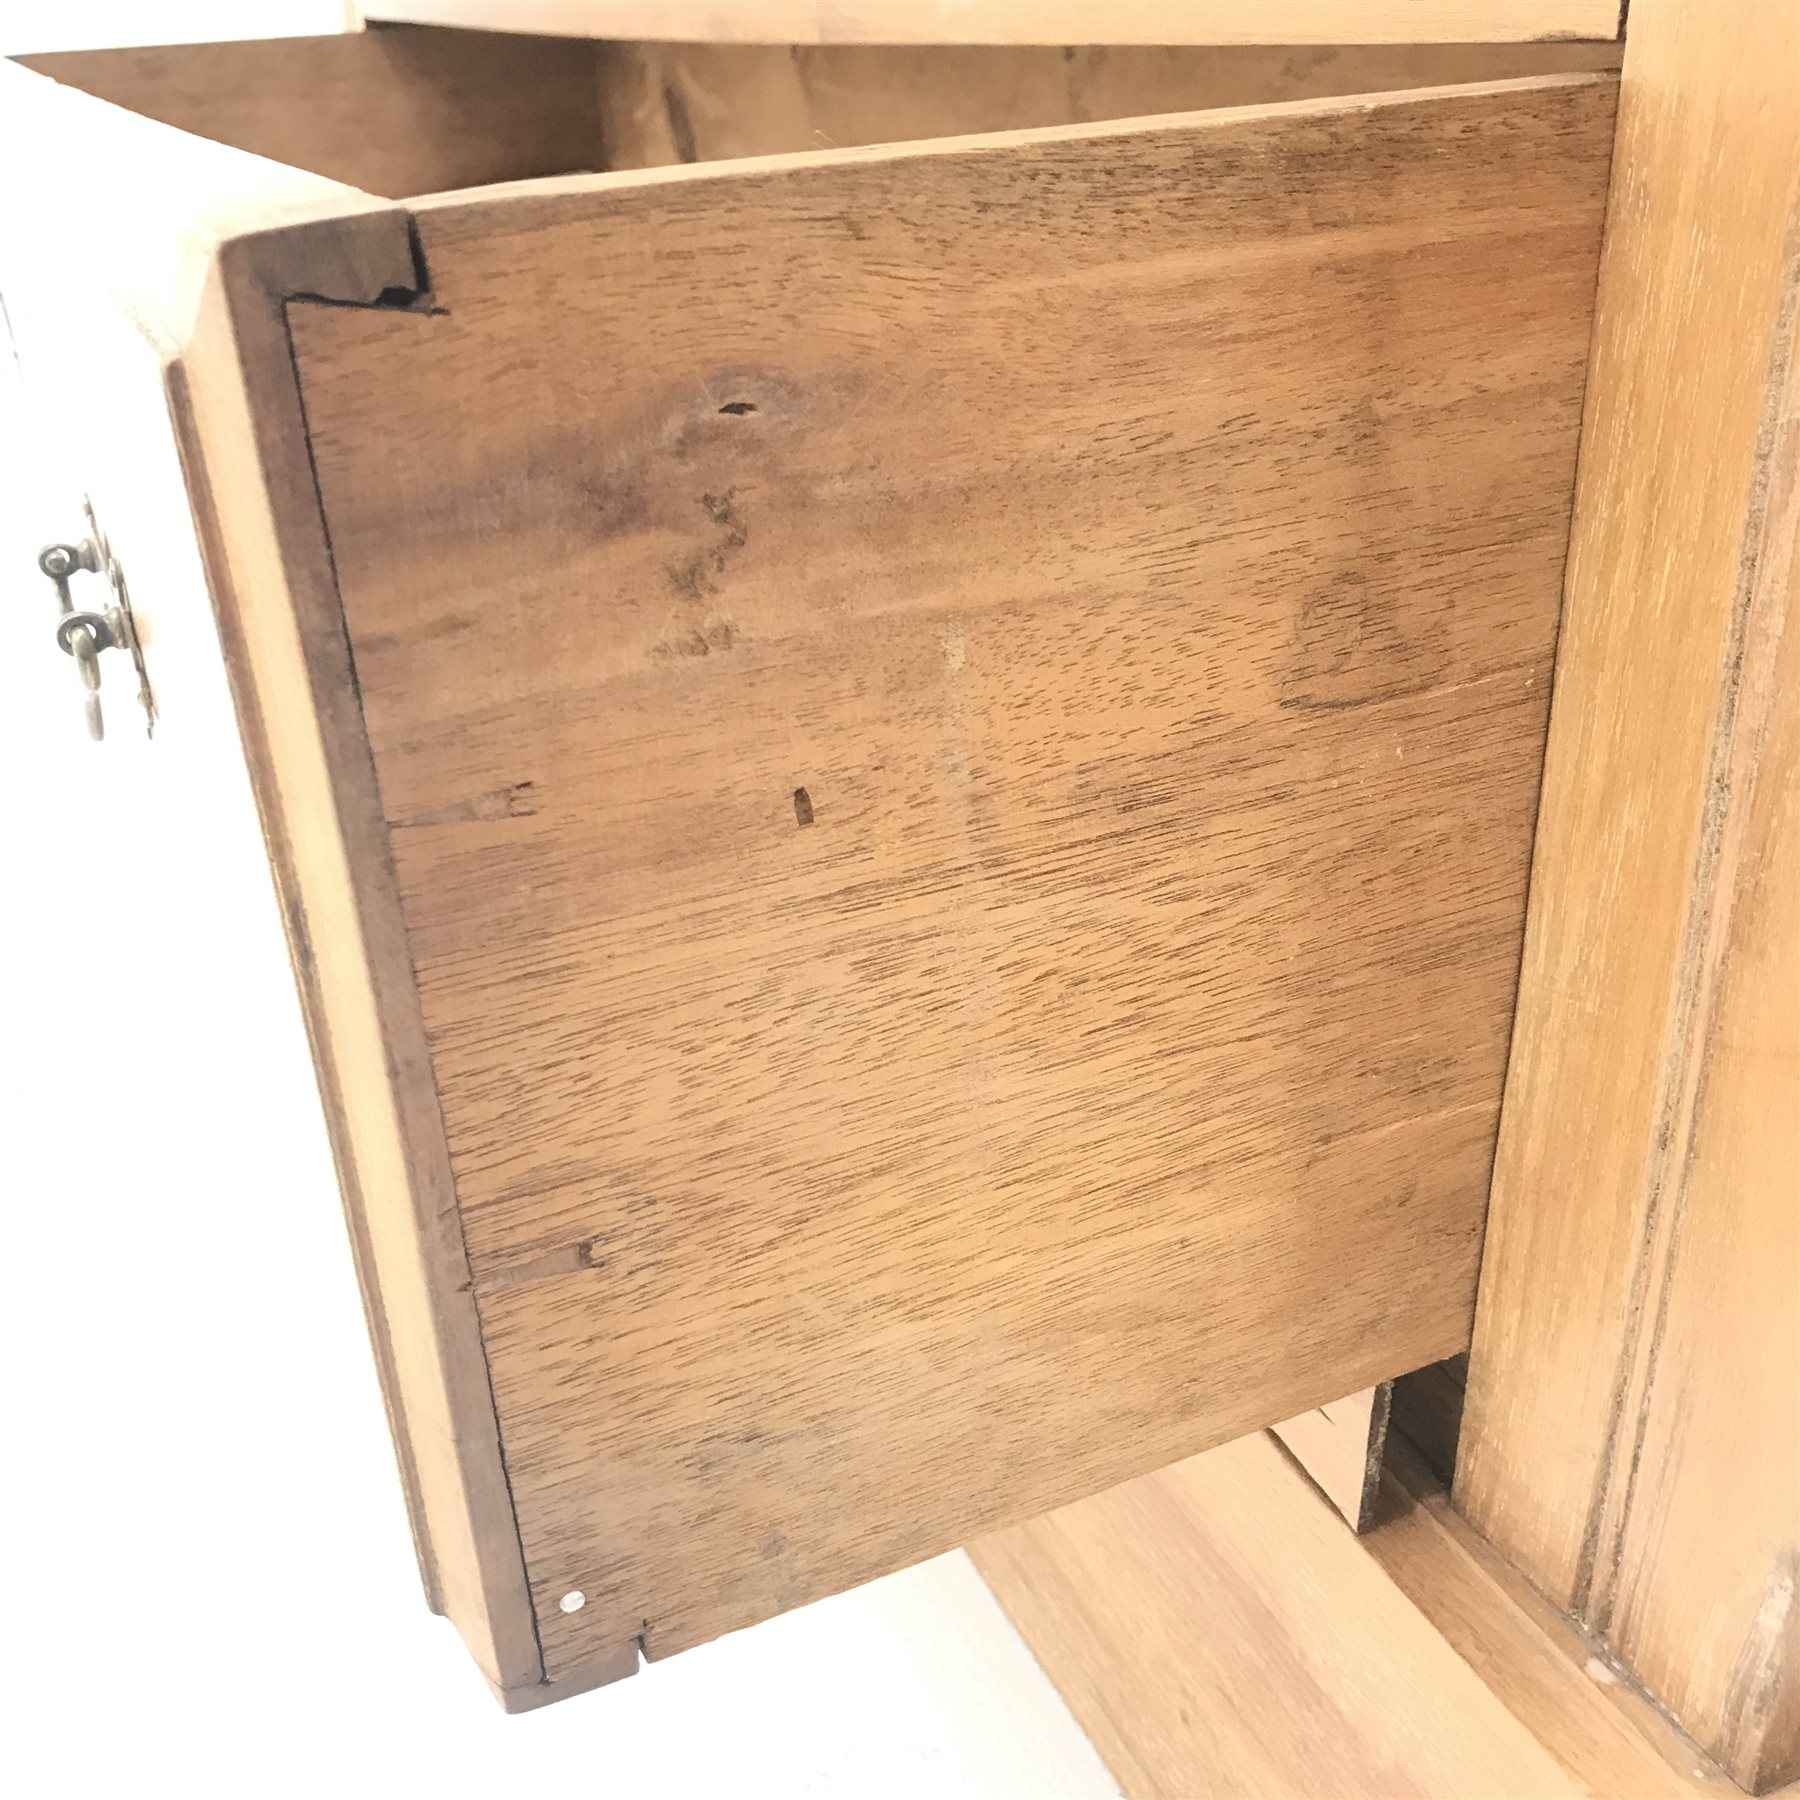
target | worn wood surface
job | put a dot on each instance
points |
(395, 112)
(195, 245)
(1030, 21)
(1705, 1530)
(1559, 1681)
(961, 727)
(1339, 1445)
(244, 442)
(670, 103)
(1217, 1632)
(1633, 1428)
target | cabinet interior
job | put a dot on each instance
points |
(400, 111)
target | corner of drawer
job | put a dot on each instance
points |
(362, 256)
(616, 1664)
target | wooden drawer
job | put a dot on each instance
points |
(902, 777)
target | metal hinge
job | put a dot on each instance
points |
(84, 635)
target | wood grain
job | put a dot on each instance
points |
(670, 103)
(1564, 1685)
(410, 110)
(961, 727)
(1339, 1445)
(244, 440)
(1701, 1537)
(1029, 21)
(1633, 1428)
(1216, 1631)
(195, 246)
(395, 112)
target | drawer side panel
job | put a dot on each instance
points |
(961, 728)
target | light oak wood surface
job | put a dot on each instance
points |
(670, 103)
(1217, 1632)
(394, 112)
(1705, 1531)
(1029, 21)
(1339, 1445)
(1633, 1428)
(961, 728)
(410, 110)
(1564, 1685)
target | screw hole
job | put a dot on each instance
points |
(573, 1601)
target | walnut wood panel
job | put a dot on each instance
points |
(1030, 21)
(1634, 1401)
(670, 103)
(961, 727)
(395, 112)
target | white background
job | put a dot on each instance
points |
(209, 1587)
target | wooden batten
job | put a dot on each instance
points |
(1632, 1435)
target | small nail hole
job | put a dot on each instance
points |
(737, 408)
(573, 1601)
